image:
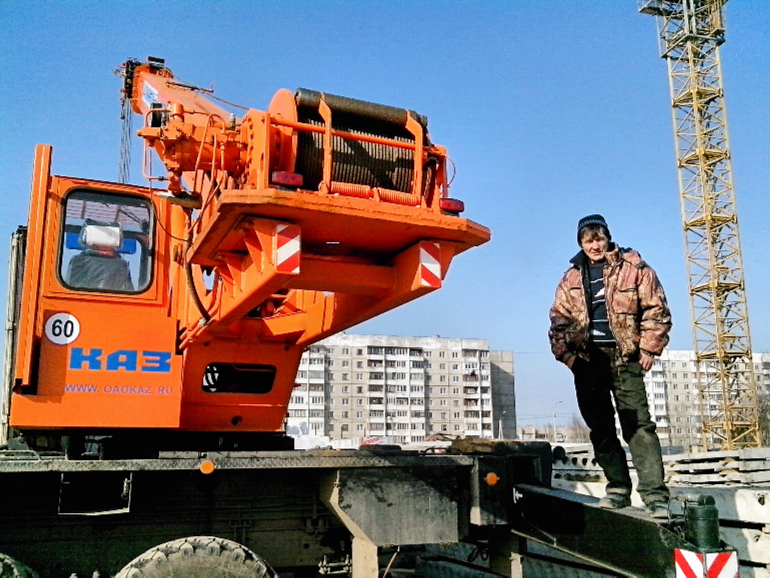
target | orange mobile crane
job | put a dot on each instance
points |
(164, 328)
(187, 309)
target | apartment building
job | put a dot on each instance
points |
(672, 392)
(403, 388)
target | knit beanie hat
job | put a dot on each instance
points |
(592, 220)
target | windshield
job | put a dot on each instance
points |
(106, 244)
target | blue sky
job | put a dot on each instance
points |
(551, 110)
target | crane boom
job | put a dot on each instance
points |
(691, 32)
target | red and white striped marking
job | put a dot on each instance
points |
(722, 565)
(712, 565)
(287, 248)
(430, 264)
(688, 564)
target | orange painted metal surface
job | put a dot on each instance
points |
(223, 299)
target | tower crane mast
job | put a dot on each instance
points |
(691, 32)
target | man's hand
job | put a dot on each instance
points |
(645, 360)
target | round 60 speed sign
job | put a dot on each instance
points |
(62, 328)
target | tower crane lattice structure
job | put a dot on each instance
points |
(691, 32)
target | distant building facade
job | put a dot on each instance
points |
(403, 389)
(673, 395)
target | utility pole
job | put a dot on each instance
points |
(553, 423)
(691, 32)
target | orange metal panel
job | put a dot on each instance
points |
(361, 224)
(204, 411)
(120, 371)
(26, 361)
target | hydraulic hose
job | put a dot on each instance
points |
(191, 284)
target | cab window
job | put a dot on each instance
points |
(106, 243)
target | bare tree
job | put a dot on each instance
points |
(763, 401)
(579, 429)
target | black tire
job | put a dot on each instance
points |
(198, 557)
(10, 568)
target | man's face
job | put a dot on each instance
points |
(594, 245)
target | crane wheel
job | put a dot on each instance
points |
(198, 557)
(10, 568)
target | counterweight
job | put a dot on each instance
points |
(691, 32)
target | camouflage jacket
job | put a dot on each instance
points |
(636, 306)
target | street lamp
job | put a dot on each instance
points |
(554, 420)
(500, 426)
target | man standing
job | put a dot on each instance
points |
(608, 321)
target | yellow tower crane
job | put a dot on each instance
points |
(691, 32)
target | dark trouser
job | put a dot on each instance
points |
(596, 383)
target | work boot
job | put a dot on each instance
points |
(657, 510)
(615, 501)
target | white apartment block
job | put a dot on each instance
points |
(403, 389)
(672, 392)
